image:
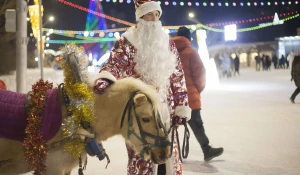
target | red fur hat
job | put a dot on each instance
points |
(143, 7)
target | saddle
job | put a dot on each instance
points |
(14, 111)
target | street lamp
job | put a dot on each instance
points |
(51, 18)
(191, 15)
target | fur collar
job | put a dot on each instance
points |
(130, 35)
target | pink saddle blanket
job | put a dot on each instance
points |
(13, 117)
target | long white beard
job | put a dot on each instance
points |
(155, 62)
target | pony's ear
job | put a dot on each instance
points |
(139, 99)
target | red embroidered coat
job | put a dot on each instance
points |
(121, 64)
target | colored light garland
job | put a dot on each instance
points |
(193, 27)
(96, 13)
(171, 28)
(257, 19)
(102, 33)
(215, 4)
(34, 145)
(78, 41)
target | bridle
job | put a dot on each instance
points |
(160, 141)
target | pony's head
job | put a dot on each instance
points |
(134, 110)
(146, 132)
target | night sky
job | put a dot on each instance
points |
(69, 18)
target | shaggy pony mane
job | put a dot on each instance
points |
(129, 85)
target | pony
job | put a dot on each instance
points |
(128, 107)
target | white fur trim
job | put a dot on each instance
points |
(130, 35)
(183, 111)
(146, 8)
(106, 75)
(170, 166)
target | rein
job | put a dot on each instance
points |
(160, 141)
(186, 137)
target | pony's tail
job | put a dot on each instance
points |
(74, 62)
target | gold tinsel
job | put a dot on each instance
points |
(80, 107)
(75, 147)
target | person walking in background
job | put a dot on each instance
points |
(226, 64)
(296, 76)
(263, 62)
(257, 61)
(275, 61)
(195, 73)
(268, 62)
(236, 64)
(282, 62)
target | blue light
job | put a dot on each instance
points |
(282, 3)
(219, 4)
(128, 1)
(197, 4)
(107, 0)
(262, 3)
(92, 34)
(174, 3)
(110, 34)
(242, 4)
(80, 33)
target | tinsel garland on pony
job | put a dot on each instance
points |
(34, 144)
(80, 101)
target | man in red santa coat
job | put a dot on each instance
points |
(146, 52)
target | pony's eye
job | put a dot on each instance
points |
(146, 120)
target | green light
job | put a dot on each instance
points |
(226, 4)
(114, 0)
(204, 4)
(248, 3)
(182, 3)
(269, 3)
(159, 2)
(289, 2)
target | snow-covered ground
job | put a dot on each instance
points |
(249, 115)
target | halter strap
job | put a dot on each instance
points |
(159, 141)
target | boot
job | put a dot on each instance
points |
(292, 100)
(212, 153)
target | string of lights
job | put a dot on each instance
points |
(169, 29)
(214, 4)
(114, 37)
(249, 20)
(96, 13)
(131, 24)
(80, 41)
